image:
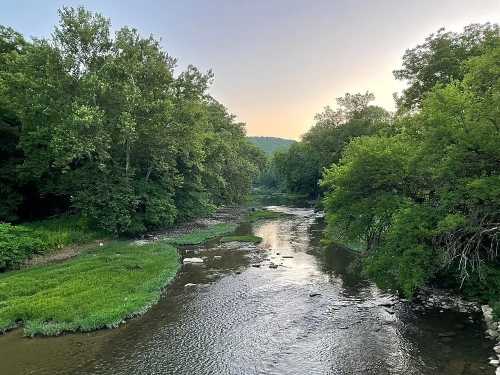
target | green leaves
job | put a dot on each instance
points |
(425, 195)
(103, 123)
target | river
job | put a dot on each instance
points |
(314, 314)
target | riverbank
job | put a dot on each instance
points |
(100, 285)
(313, 313)
(98, 289)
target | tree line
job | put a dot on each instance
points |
(418, 188)
(98, 123)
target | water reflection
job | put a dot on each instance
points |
(314, 314)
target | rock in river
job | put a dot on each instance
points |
(192, 260)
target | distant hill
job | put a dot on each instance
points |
(271, 144)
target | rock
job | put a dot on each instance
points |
(189, 285)
(272, 265)
(494, 362)
(492, 333)
(487, 312)
(314, 294)
(192, 260)
(497, 349)
(497, 372)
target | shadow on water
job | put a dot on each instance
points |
(313, 314)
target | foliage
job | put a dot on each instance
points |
(440, 60)
(18, 243)
(202, 235)
(92, 291)
(99, 123)
(59, 231)
(302, 165)
(242, 238)
(425, 195)
(270, 145)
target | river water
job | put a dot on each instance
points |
(314, 314)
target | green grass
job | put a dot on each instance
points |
(243, 238)
(202, 235)
(59, 231)
(263, 215)
(21, 242)
(95, 290)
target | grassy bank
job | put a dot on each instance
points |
(202, 235)
(20, 242)
(95, 290)
(257, 215)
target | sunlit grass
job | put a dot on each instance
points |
(95, 290)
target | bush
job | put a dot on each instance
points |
(18, 243)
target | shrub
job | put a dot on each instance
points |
(18, 243)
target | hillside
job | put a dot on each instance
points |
(271, 144)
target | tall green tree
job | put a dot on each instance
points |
(440, 59)
(106, 127)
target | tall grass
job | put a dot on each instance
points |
(60, 231)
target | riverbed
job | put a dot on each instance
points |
(313, 314)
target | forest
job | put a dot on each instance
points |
(416, 191)
(97, 124)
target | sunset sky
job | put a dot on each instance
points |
(278, 62)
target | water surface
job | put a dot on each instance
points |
(314, 314)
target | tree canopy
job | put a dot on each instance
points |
(417, 190)
(100, 123)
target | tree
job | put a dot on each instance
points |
(440, 59)
(105, 128)
(425, 197)
(303, 164)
